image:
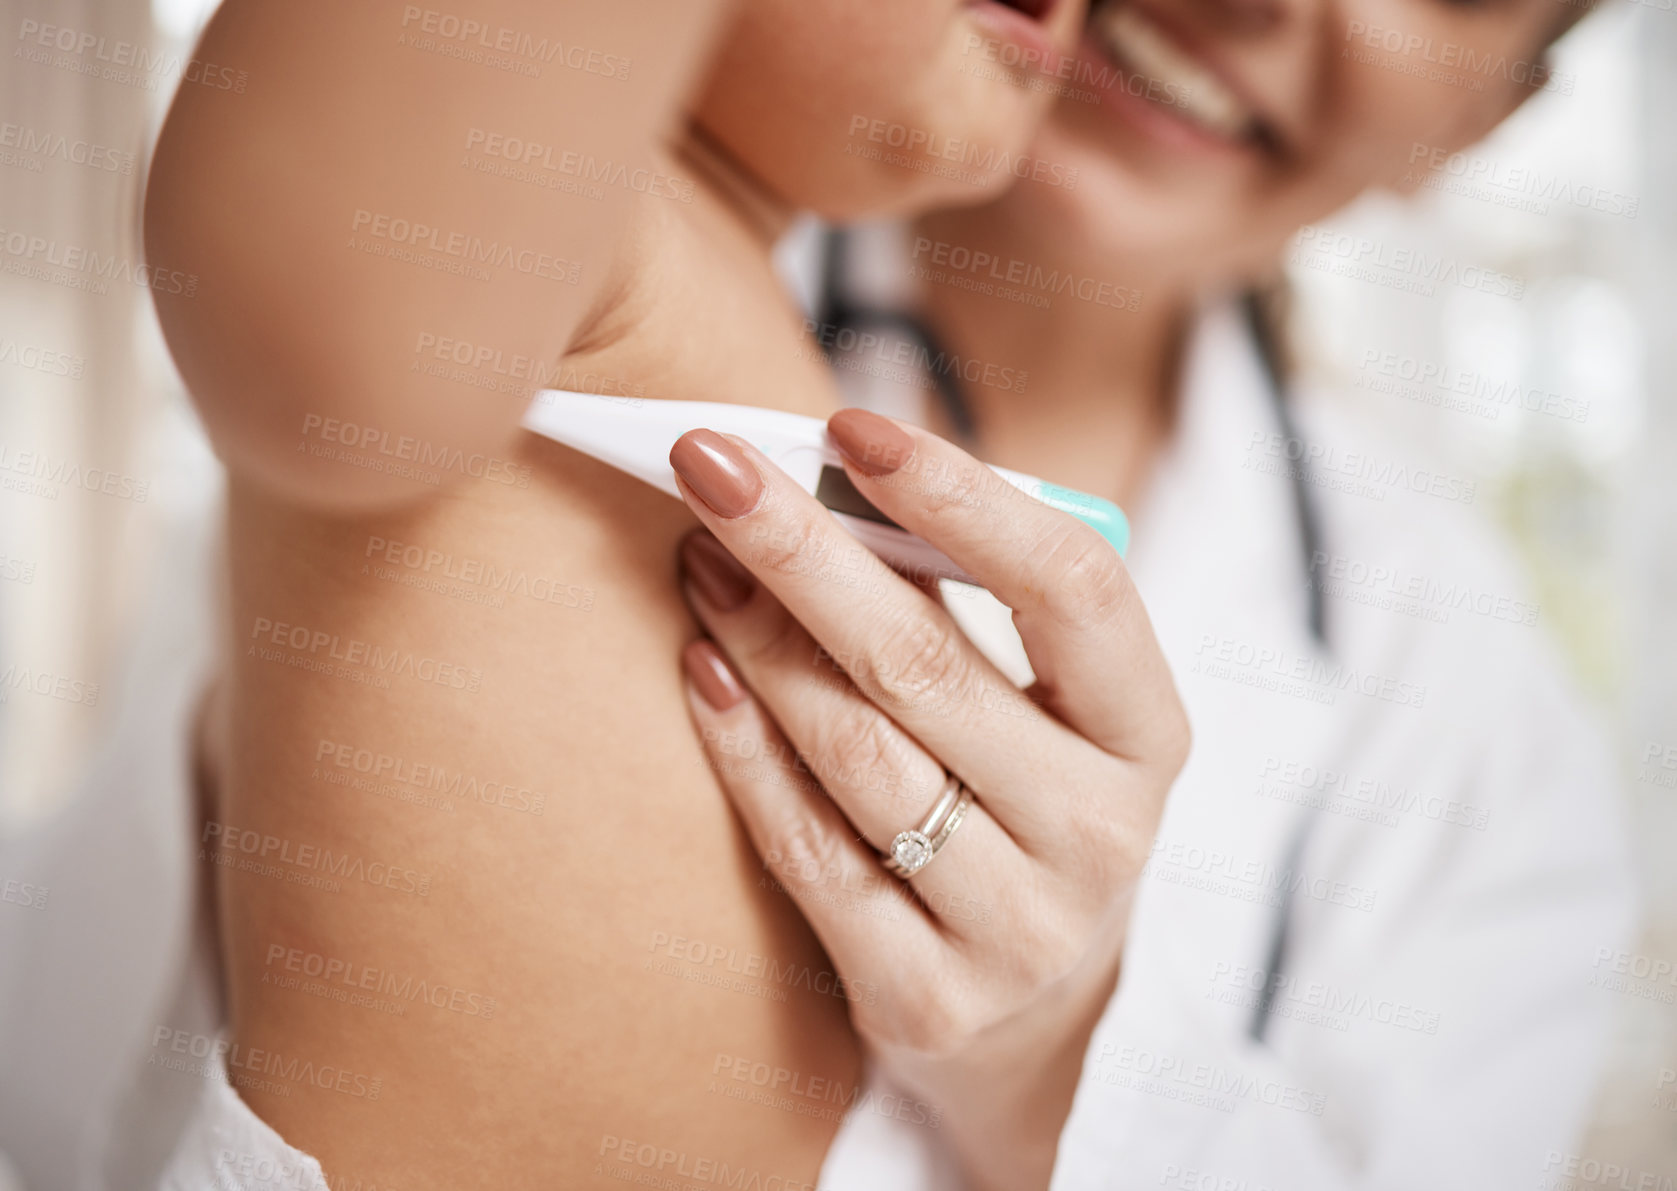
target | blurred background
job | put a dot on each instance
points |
(1560, 398)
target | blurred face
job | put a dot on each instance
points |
(861, 107)
(1206, 132)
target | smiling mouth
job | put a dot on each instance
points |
(1178, 83)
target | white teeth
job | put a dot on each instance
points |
(1181, 83)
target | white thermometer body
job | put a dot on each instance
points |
(635, 436)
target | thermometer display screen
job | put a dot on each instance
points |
(835, 490)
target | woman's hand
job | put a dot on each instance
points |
(834, 697)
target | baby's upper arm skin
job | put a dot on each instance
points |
(494, 881)
(347, 205)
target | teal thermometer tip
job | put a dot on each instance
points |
(1105, 517)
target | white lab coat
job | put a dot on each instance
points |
(1465, 865)
(1435, 1024)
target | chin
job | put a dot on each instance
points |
(894, 120)
(870, 165)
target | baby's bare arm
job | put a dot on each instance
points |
(351, 205)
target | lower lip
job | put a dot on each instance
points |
(1037, 52)
(1155, 121)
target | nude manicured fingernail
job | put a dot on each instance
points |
(716, 573)
(711, 674)
(718, 471)
(874, 444)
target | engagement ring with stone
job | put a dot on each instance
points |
(914, 849)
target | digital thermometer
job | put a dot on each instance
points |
(635, 436)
